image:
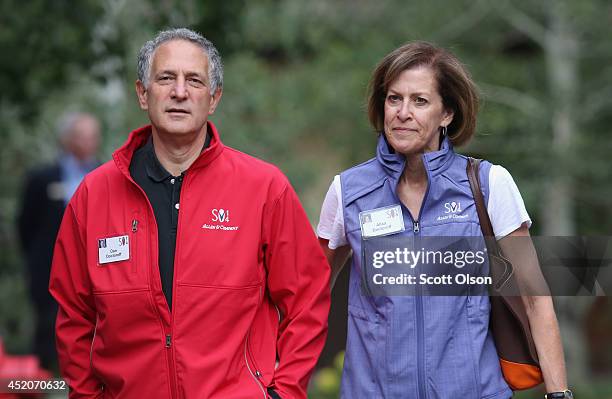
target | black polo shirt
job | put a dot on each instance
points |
(163, 191)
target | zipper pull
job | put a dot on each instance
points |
(168, 341)
(134, 226)
(258, 374)
(415, 226)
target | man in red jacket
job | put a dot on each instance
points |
(184, 268)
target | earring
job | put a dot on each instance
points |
(443, 130)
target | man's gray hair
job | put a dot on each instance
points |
(66, 122)
(215, 66)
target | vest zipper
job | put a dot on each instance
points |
(416, 228)
(420, 322)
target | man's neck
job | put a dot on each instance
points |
(176, 154)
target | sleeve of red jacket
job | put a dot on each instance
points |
(76, 317)
(298, 283)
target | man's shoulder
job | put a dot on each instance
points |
(252, 166)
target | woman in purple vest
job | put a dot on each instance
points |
(422, 102)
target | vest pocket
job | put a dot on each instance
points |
(365, 355)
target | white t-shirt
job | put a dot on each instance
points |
(505, 207)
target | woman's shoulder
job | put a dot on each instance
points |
(498, 173)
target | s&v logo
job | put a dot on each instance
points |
(452, 207)
(220, 215)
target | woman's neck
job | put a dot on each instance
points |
(414, 173)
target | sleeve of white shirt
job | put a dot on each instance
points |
(331, 221)
(505, 206)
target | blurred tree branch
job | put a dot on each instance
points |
(519, 100)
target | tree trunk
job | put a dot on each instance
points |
(562, 64)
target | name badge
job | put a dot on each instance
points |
(113, 249)
(381, 221)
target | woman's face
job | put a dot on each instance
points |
(414, 112)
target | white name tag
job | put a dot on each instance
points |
(113, 249)
(381, 221)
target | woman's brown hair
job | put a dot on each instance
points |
(455, 86)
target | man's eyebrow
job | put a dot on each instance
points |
(193, 73)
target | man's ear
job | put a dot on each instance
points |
(215, 101)
(141, 92)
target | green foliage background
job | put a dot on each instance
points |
(295, 79)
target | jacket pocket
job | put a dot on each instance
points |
(134, 243)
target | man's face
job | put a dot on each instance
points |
(84, 138)
(178, 98)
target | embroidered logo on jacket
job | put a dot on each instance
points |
(220, 216)
(452, 207)
(452, 210)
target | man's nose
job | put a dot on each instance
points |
(179, 91)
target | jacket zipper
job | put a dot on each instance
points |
(255, 374)
(93, 340)
(166, 331)
(134, 243)
(169, 346)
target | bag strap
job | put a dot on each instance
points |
(473, 167)
(510, 325)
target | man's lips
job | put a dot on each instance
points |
(177, 111)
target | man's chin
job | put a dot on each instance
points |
(177, 129)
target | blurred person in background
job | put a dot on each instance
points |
(184, 268)
(47, 191)
(423, 103)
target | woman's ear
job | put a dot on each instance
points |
(448, 118)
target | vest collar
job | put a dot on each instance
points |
(393, 163)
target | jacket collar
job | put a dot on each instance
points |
(393, 163)
(138, 137)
